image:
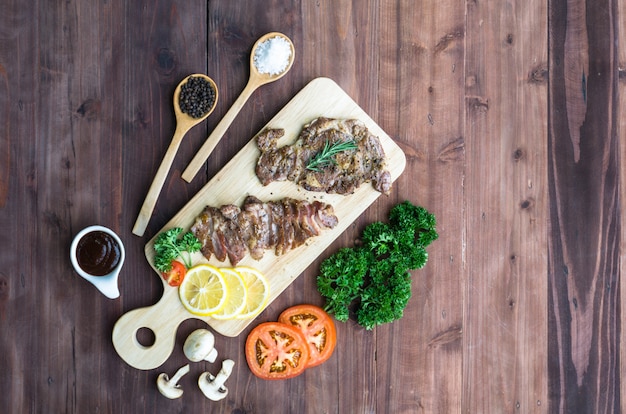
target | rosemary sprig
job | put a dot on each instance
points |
(325, 158)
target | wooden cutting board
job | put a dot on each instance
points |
(321, 97)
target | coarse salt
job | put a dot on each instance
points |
(272, 56)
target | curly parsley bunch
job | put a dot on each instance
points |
(373, 279)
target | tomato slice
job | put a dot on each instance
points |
(276, 351)
(318, 329)
(175, 276)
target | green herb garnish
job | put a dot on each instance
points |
(373, 280)
(324, 158)
(168, 247)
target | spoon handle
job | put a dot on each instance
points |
(155, 188)
(217, 134)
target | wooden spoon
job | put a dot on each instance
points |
(256, 79)
(184, 123)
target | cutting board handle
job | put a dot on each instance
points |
(161, 320)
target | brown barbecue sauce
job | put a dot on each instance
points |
(98, 253)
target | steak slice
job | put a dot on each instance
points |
(232, 237)
(208, 229)
(345, 172)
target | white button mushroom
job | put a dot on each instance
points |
(213, 386)
(200, 346)
(170, 387)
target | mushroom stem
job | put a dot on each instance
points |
(222, 376)
(179, 374)
(212, 356)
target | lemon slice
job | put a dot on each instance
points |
(203, 290)
(236, 294)
(258, 290)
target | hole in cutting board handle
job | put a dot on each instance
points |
(145, 337)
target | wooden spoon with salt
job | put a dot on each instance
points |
(256, 79)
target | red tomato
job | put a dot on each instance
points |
(318, 329)
(176, 274)
(276, 351)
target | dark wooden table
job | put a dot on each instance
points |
(511, 114)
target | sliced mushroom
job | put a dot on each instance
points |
(170, 387)
(213, 386)
(200, 346)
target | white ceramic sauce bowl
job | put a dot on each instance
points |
(107, 284)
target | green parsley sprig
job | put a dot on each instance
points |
(324, 157)
(373, 279)
(168, 247)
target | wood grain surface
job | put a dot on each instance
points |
(511, 115)
(585, 210)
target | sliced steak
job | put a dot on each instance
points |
(282, 225)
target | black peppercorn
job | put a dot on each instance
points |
(197, 97)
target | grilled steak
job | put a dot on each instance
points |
(344, 171)
(283, 225)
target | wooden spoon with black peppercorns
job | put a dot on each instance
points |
(195, 98)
